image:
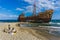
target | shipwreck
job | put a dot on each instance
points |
(42, 17)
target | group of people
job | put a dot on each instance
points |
(9, 30)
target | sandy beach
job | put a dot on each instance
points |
(24, 33)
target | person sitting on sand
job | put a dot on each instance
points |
(13, 30)
(9, 29)
(9, 25)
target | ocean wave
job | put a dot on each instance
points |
(54, 23)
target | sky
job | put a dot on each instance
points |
(11, 9)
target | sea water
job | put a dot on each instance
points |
(8, 20)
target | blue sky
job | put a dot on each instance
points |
(11, 9)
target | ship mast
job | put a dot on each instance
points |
(34, 8)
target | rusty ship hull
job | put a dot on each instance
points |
(42, 17)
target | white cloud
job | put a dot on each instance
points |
(29, 9)
(20, 9)
(9, 10)
(47, 4)
(2, 15)
(13, 16)
(0, 6)
(5, 16)
(29, 1)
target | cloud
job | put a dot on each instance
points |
(9, 10)
(29, 1)
(5, 16)
(46, 4)
(0, 6)
(29, 9)
(19, 9)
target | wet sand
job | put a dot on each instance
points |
(25, 33)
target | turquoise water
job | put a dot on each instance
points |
(51, 23)
(56, 21)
